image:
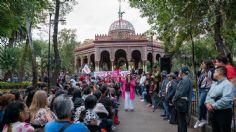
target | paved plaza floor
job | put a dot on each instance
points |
(143, 120)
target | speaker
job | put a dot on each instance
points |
(165, 64)
(140, 71)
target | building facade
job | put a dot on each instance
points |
(121, 48)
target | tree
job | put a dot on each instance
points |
(67, 43)
(32, 13)
(177, 22)
(66, 8)
(9, 61)
(41, 52)
(25, 15)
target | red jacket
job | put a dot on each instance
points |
(231, 71)
(132, 85)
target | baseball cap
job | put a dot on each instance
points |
(184, 69)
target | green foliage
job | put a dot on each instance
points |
(14, 12)
(40, 47)
(204, 49)
(18, 85)
(10, 12)
(67, 42)
(41, 52)
(175, 21)
(9, 60)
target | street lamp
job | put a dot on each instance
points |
(49, 46)
(152, 51)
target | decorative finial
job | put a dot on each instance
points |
(120, 13)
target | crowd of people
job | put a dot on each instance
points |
(83, 103)
(87, 103)
(216, 83)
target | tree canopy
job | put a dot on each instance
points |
(175, 21)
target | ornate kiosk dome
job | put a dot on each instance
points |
(121, 26)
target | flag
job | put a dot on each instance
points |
(86, 69)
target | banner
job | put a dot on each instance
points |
(86, 69)
(111, 73)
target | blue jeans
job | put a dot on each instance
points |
(202, 107)
(143, 92)
(166, 108)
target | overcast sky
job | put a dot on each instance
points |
(90, 17)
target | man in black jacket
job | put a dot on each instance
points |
(182, 99)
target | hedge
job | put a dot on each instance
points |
(19, 85)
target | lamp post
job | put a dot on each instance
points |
(152, 52)
(49, 47)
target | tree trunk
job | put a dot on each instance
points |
(7, 75)
(218, 33)
(217, 29)
(193, 56)
(22, 63)
(11, 39)
(34, 65)
(57, 61)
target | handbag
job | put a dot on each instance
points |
(182, 105)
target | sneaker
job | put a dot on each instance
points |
(196, 124)
(142, 100)
(202, 123)
(163, 115)
(166, 118)
(113, 128)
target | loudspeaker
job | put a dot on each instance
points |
(165, 64)
(140, 71)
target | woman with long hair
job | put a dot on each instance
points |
(16, 113)
(39, 111)
(204, 84)
(128, 92)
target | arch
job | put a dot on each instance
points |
(85, 60)
(136, 59)
(150, 61)
(92, 61)
(105, 62)
(78, 62)
(121, 59)
(158, 56)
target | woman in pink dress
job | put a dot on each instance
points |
(128, 87)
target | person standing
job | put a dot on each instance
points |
(148, 87)
(231, 71)
(204, 84)
(162, 92)
(128, 92)
(170, 92)
(219, 101)
(156, 77)
(182, 98)
(142, 85)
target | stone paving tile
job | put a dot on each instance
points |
(143, 120)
